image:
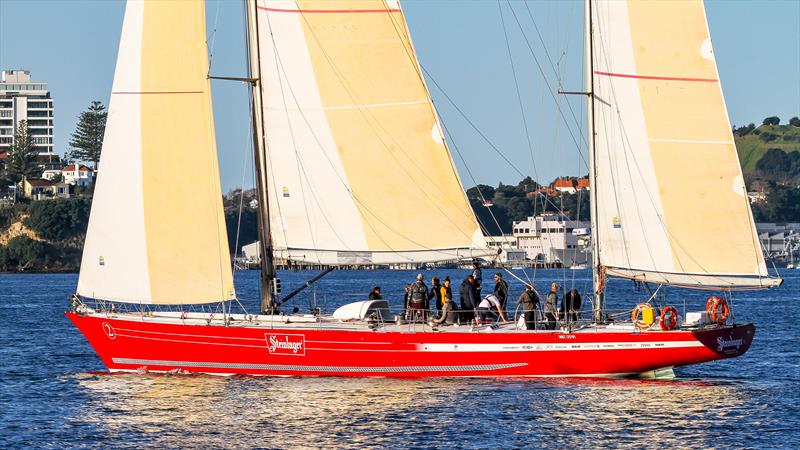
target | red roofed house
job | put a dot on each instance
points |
(77, 175)
(39, 188)
(583, 183)
(564, 185)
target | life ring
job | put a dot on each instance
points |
(669, 318)
(641, 324)
(717, 309)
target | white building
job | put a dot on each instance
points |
(251, 253)
(508, 244)
(554, 238)
(77, 175)
(22, 99)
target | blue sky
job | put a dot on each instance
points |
(72, 45)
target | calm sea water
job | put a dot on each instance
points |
(54, 394)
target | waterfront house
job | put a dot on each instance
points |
(77, 175)
(40, 188)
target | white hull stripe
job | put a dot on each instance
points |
(339, 369)
(556, 347)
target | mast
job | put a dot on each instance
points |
(259, 154)
(597, 294)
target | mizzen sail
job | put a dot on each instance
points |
(358, 170)
(157, 232)
(671, 200)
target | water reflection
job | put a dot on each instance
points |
(203, 411)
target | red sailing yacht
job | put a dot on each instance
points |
(349, 156)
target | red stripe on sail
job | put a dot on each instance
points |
(646, 77)
(158, 92)
(340, 11)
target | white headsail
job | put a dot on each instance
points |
(671, 201)
(157, 232)
(358, 168)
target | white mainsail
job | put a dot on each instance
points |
(671, 205)
(157, 232)
(358, 170)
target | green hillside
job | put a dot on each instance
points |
(752, 144)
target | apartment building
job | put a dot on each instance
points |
(23, 99)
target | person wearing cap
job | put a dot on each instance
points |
(500, 289)
(551, 308)
(530, 306)
(418, 298)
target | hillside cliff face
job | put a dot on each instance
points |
(43, 236)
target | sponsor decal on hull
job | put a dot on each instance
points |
(730, 345)
(286, 344)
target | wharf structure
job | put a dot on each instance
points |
(780, 241)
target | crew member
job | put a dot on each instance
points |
(530, 305)
(551, 308)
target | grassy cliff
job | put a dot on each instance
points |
(753, 144)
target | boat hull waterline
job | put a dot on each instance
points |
(126, 345)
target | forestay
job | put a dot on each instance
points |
(156, 232)
(358, 168)
(671, 201)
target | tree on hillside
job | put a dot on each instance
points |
(772, 120)
(21, 155)
(794, 121)
(743, 131)
(87, 140)
(475, 192)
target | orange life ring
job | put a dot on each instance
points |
(717, 309)
(635, 316)
(669, 318)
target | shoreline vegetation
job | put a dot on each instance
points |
(46, 236)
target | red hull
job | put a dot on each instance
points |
(130, 345)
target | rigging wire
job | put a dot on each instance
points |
(516, 87)
(549, 87)
(213, 39)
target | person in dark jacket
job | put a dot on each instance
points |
(406, 298)
(375, 294)
(530, 303)
(500, 289)
(418, 299)
(477, 277)
(574, 303)
(469, 299)
(436, 292)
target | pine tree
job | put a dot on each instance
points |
(87, 140)
(22, 156)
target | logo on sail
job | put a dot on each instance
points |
(616, 222)
(286, 344)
